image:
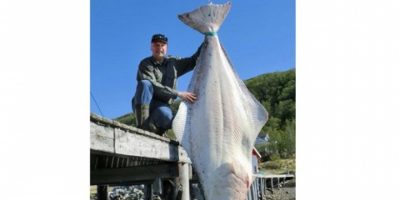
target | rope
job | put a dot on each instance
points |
(210, 33)
(94, 99)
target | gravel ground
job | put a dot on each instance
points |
(286, 192)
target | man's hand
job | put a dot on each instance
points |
(187, 96)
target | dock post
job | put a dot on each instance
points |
(102, 192)
(149, 192)
(184, 180)
(156, 187)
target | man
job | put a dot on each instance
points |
(156, 88)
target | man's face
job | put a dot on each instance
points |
(159, 49)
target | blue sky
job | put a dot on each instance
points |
(258, 35)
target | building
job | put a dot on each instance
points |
(256, 156)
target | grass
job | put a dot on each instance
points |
(281, 166)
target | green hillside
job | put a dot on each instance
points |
(277, 93)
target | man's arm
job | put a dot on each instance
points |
(187, 96)
(161, 92)
(185, 65)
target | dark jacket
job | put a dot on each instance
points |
(163, 75)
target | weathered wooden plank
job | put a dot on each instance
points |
(107, 122)
(142, 146)
(114, 137)
(134, 174)
(101, 138)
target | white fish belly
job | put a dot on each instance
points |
(218, 131)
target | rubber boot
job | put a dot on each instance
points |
(142, 115)
(150, 126)
(143, 121)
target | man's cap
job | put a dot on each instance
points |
(159, 38)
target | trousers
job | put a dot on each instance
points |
(160, 113)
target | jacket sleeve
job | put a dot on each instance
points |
(161, 92)
(185, 65)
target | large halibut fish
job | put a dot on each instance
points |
(219, 130)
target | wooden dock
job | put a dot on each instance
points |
(126, 155)
(121, 154)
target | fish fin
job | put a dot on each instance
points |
(206, 19)
(259, 113)
(179, 123)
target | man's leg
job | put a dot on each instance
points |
(161, 117)
(141, 102)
